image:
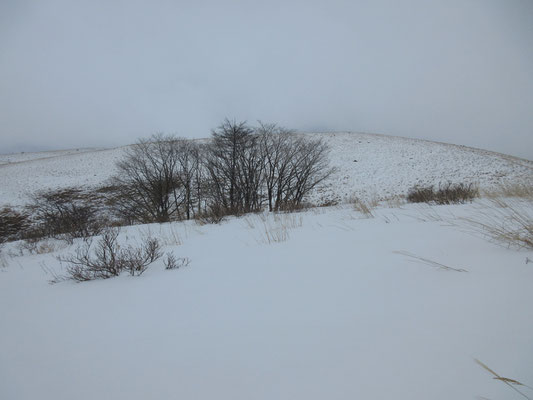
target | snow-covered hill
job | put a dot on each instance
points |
(368, 166)
(328, 303)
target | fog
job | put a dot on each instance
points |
(104, 73)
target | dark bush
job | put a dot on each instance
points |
(446, 194)
(420, 194)
(66, 214)
(14, 224)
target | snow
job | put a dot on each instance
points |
(322, 304)
(368, 166)
(330, 312)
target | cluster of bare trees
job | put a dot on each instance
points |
(241, 169)
(159, 179)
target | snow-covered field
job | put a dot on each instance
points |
(332, 311)
(368, 166)
(321, 304)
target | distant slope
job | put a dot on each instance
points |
(367, 165)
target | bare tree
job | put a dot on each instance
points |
(309, 168)
(189, 176)
(147, 180)
(234, 165)
(294, 165)
(163, 178)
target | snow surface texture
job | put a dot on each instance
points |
(368, 166)
(322, 307)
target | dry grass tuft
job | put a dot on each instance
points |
(449, 193)
(521, 191)
(508, 221)
(274, 228)
(364, 207)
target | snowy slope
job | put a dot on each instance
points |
(332, 312)
(321, 304)
(368, 166)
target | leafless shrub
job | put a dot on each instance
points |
(171, 262)
(136, 260)
(106, 259)
(446, 194)
(14, 224)
(65, 214)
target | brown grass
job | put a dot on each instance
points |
(508, 221)
(521, 191)
(364, 207)
(429, 262)
(512, 383)
(449, 193)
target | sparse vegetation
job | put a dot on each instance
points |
(65, 214)
(13, 224)
(508, 221)
(107, 259)
(521, 191)
(363, 207)
(275, 228)
(241, 170)
(171, 262)
(446, 194)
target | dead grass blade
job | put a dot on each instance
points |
(509, 382)
(429, 262)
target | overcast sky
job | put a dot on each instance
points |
(104, 73)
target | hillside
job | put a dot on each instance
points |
(397, 302)
(368, 166)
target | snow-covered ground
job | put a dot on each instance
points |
(322, 304)
(331, 311)
(368, 166)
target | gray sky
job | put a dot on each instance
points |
(104, 73)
